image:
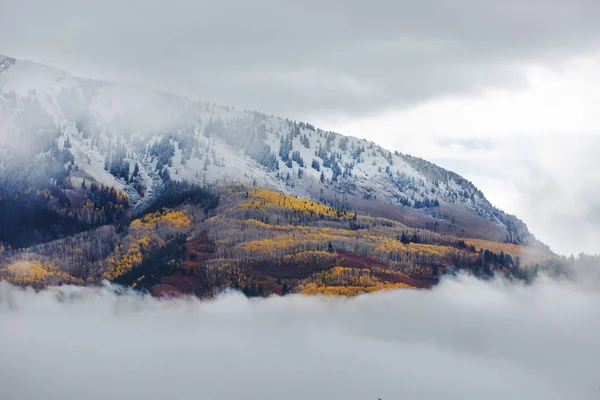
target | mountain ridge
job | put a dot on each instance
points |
(110, 129)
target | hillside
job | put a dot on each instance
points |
(135, 139)
(112, 181)
(198, 241)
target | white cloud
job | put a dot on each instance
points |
(465, 339)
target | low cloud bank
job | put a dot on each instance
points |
(465, 339)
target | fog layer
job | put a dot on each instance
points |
(465, 339)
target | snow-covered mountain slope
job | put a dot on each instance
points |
(134, 138)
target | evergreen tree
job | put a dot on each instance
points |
(315, 164)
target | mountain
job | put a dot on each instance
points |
(77, 155)
(108, 128)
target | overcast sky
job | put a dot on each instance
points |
(505, 93)
(465, 339)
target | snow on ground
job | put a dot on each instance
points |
(90, 160)
(135, 116)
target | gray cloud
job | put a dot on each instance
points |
(465, 339)
(309, 58)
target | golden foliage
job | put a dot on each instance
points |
(343, 281)
(175, 220)
(146, 234)
(260, 198)
(314, 289)
(37, 274)
(123, 262)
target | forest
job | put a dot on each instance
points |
(39, 202)
(202, 240)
